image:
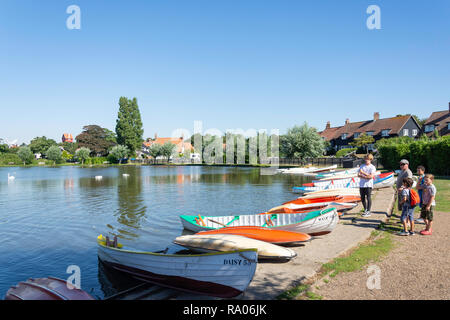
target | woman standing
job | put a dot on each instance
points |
(366, 174)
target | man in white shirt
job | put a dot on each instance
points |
(366, 174)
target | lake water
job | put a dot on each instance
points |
(50, 217)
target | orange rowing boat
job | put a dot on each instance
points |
(346, 198)
(263, 234)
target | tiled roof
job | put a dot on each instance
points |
(179, 142)
(440, 120)
(393, 124)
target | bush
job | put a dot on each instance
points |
(10, 158)
(344, 152)
(95, 160)
(433, 154)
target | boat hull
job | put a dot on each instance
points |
(312, 223)
(226, 242)
(213, 274)
(262, 234)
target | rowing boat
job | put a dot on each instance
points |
(326, 198)
(313, 223)
(379, 181)
(50, 288)
(262, 234)
(294, 208)
(331, 192)
(226, 242)
(219, 274)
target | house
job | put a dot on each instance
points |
(340, 137)
(67, 137)
(181, 145)
(439, 120)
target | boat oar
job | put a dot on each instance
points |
(217, 222)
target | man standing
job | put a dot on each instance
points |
(404, 173)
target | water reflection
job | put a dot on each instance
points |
(131, 206)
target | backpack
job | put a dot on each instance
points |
(414, 198)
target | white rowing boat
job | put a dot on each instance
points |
(219, 274)
(229, 242)
(313, 223)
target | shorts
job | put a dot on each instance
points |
(426, 214)
(407, 213)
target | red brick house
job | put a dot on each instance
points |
(341, 136)
(67, 137)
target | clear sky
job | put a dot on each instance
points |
(248, 64)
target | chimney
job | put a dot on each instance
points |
(347, 121)
(449, 107)
(376, 116)
(328, 125)
(156, 136)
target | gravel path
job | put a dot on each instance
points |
(418, 268)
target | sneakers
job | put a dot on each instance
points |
(366, 214)
(403, 233)
(412, 233)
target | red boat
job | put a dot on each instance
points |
(46, 289)
(263, 234)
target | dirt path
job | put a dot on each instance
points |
(418, 268)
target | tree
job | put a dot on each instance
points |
(82, 154)
(155, 150)
(167, 150)
(26, 155)
(362, 141)
(54, 153)
(302, 142)
(129, 125)
(4, 148)
(119, 152)
(94, 138)
(41, 144)
(70, 147)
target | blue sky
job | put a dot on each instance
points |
(231, 64)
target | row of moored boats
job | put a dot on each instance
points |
(219, 259)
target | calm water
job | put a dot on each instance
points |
(50, 217)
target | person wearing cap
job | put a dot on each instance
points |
(405, 172)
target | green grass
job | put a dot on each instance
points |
(294, 292)
(442, 194)
(362, 255)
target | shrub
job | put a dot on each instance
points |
(10, 158)
(433, 154)
(344, 152)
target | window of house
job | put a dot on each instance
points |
(356, 135)
(448, 125)
(414, 132)
(429, 128)
(344, 136)
(405, 132)
(369, 133)
(370, 147)
(385, 133)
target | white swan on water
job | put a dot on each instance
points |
(98, 177)
(10, 177)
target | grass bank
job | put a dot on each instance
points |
(378, 245)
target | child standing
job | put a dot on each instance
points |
(366, 174)
(420, 186)
(428, 204)
(407, 210)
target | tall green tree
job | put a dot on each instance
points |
(41, 144)
(95, 139)
(25, 155)
(302, 142)
(129, 125)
